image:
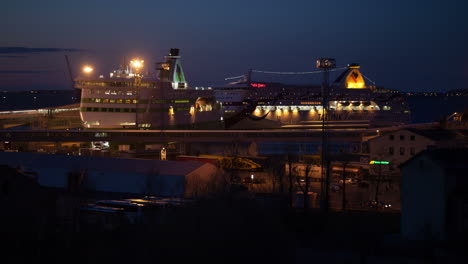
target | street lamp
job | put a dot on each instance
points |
(88, 69)
(325, 64)
(137, 64)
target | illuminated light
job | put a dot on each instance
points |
(355, 85)
(258, 85)
(171, 110)
(327, 63)
(88, 69)
(163, 154)
(379, 162)
(252, 176)
(137, 63)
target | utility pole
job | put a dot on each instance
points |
(325, 64)
(137, 65)
(377, 185)
(343, 199)
(291, 187)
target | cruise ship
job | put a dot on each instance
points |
(128, 98)
(352, 103)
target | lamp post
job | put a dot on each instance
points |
(137, 65)
(325, 64)
(87, 70)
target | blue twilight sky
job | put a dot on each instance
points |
(410, 45)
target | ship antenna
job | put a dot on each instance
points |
(249, 75)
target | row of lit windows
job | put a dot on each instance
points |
(113, 92)
(117, 84)
(110, 110)
(110, 101)
(131, 110)
(130, 101)
(310, 103)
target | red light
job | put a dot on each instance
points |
(258, 85)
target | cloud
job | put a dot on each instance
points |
(25, 72)
(12, 56)
(25, 50)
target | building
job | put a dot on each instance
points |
(399, 146)
(117, 175)
(433, 195)
(27, 207)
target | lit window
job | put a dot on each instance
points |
(107, 92)
(98, 100)
(129, 93)
(112, 101)
(134, 101)
(105, 100)
(128, 101)
(120, 101)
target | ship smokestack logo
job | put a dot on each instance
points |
(355, 80)
(351, 78)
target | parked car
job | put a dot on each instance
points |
(375, 204)
(335, 187)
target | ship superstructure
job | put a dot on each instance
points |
(351, 100)
(128, 98)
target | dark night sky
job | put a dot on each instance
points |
(409, 45)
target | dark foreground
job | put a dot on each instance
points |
(224, 230)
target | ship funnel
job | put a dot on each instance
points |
(351, 78)
(171, 70)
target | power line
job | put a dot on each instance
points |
(236, 77)
(294, 73)
(368, 79)
(285, 73)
